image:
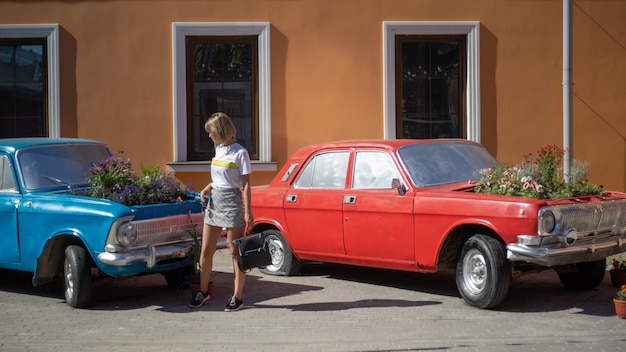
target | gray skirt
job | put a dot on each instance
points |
(225, 208)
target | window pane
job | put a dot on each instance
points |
(429, 86)
(373, 170)
(224, 79)
(28, 63)
(7, 182)
(444, 59)
(68, 163)
(430, 164)
(23, 85)
(306, 177)
(326, 170)
(439, 93)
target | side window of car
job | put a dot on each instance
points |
(7, 181)
(373, 170)
(327, 170)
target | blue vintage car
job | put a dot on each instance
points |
(53, 233)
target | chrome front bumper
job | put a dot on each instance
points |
(559, 255)
(150, 255)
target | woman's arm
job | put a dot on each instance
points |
(206, 191)
(247, 200)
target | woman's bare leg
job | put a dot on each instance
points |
(210, 235)
(240, 276)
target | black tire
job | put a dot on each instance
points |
(77, 277)
(284, 263)
(586, 276)
(178, 277)
(483, 274)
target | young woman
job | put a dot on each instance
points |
(228, 206)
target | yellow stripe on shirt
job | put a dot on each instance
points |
(226, 164)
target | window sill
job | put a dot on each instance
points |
(205, 166)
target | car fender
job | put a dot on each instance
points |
(459, 232)
(44, 218)
(262, 224)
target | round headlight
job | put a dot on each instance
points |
(548, 221)
(127, 235)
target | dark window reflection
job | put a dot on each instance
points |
(23, 82)
(224, 78)
(430, 78)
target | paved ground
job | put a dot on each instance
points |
(326, 308)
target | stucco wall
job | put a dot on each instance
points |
(326, 72)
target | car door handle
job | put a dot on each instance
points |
(291, 198)
(349, 199)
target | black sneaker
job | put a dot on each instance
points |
(234, 304)
(200, 299)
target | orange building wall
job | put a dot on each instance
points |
(326, 72)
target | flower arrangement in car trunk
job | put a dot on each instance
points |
(538, 177)
(115, 180)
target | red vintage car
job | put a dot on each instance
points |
(411, 205)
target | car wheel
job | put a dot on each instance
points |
(283, 261)
(177, 277)
(77, 277)
(483, 274)
(586, 276)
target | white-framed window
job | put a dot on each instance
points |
(261, 111)
(472, 89)
(36, 41)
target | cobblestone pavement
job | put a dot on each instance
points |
(326, 308)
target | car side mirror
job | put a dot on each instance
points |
(396, 184)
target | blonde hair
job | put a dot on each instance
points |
(221, 127)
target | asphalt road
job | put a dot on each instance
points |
(326, 308)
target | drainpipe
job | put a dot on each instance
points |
(567, 88)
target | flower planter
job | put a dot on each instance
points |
(618, 277)
(620, 308)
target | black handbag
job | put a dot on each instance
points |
(253, 251)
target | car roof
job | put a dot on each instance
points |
(392, 144)
(13, 144)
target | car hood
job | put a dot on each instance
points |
(467, 190)
(66, 202)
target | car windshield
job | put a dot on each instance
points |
(440, 163)
(59, 165)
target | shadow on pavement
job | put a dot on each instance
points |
(153, 291)
(543, 292)
(532, 293)
(20, 282)
(439, 284)
(535, 292)
(335, 306)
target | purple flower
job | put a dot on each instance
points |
(115, 180)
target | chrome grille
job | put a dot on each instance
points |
(168, 229)
(589, 218)
(582, 218)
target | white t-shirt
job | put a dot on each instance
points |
(229, 163)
